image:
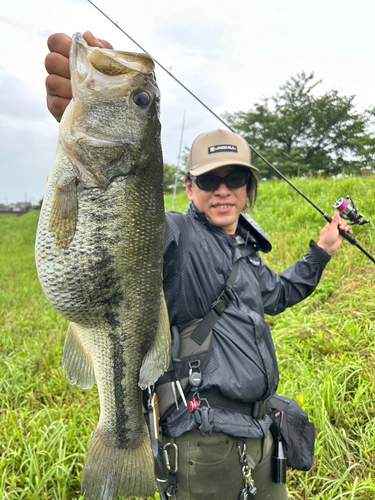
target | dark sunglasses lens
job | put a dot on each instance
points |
(208, 182)
(236, 180)
(212, 182)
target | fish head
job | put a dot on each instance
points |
(112, 123)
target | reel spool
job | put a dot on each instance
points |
(349, 212)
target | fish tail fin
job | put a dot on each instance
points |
(118, 472)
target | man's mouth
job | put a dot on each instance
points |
(223, 206)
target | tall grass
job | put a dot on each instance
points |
(325, 348)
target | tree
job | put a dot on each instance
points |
(302, 133)
(170, 178)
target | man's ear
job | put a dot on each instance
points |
(189, 189)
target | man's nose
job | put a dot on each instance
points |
(222, 189)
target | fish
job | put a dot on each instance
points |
(99, 257)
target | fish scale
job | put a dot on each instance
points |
(99, 252)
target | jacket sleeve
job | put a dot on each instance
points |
(294, 284)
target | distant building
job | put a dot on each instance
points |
(12, 207)
(23, 205)
(19, 208)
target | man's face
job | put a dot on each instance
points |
(223, 206)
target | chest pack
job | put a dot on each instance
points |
(190, 353)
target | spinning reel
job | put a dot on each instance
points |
(349, 211)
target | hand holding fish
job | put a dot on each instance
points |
(59, 89)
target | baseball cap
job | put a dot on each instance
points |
(217, 149)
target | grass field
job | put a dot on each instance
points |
(325, 348)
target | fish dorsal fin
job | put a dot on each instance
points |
(77, 365)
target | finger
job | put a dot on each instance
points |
(96, 42)
(336, 218)
(345, 227)
(57, 64)
(57, 106)
(60, 43)
(58, 86)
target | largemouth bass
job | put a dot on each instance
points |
(99, 253)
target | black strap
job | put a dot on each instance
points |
(256, 410)
(180, 370)
(218, 307)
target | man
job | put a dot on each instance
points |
(202, 247)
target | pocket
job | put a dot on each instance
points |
(297, 432)
(301, 440)
(213, 469)
(266, 349)
(214, 452)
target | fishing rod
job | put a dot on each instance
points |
(350, 213)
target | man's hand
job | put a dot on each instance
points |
(330, 238)
(59, 90)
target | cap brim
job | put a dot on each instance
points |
(207, 167)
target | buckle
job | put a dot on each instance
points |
(259, 410)
(225, 298)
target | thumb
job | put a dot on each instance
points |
(336, 219)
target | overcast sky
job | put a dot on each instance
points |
(230, 53)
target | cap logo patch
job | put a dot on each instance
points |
(221, 148)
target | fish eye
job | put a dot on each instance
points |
(141, 99)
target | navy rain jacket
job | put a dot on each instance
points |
(242, 366)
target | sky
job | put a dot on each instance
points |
(230, 54)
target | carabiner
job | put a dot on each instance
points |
(166, 456)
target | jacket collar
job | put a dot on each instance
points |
(250, 230)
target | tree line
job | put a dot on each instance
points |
(304, 133)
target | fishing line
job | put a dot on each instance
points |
(345, 235)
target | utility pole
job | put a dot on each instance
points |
(178, 162)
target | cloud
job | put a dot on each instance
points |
(26, 154)
(202, 39)
(18, 101)
(228, 55)
(28, 137)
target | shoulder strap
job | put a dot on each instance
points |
(218, 307)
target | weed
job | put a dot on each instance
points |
(325, 347)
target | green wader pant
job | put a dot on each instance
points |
(209, 467)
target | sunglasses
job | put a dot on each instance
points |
(212, 182)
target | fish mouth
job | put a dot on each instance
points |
(91, 62)
(115, 105)
(112, 63)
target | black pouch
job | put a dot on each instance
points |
(297, 434)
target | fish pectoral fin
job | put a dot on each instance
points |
(64, 213)
(157, 360)
(77, 365)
